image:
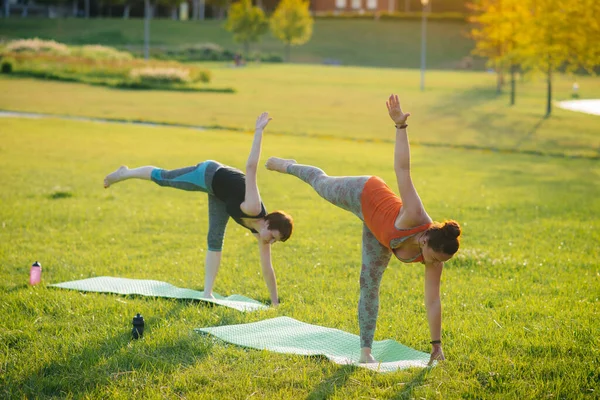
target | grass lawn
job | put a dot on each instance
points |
(456, 109)
(520, 299)
(351, 42)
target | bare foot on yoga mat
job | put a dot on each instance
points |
(209, 296)
(116, 176)
(279, 164)
(366, 357)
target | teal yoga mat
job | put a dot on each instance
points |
(107, 284)
(287, 335)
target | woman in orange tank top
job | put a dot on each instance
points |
(392, 225)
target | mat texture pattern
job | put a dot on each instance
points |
(107, 284)
(287, 335)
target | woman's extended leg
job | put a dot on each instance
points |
(375, 259)
(124, 173)
(192, 178)
(342, 191)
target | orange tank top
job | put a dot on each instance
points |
(380, 208)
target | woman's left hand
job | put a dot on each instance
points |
(396, 114)
(437, 354)
(262, 121)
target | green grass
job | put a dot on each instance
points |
(351, 42)
(520, 299)
(456, 109)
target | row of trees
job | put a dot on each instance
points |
(291, 23)
(101, 8)
(537, 36)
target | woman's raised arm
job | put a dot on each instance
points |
(411, 202)
(252, 202)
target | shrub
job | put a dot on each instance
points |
(98, 52)
(384, 15)
(198, 75)
(160, 75)
(199, 52)
(6, 66)
(36, 46)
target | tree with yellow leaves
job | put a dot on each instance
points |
(540, 35)
(292, 23)
(497, 26)
(247, 22)
(561, 35)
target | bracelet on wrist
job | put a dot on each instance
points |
(403, 126)
(436, 342)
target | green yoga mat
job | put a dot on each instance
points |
(107, 284)
(287, 335)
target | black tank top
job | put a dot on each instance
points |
(229, 185)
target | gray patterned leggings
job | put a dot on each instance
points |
(345, 193)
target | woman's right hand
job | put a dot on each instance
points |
(396, 114)
(262, 121)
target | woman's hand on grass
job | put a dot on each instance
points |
(396, 114)
(437, 354)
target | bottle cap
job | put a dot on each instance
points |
(138, 318)
(36, 264)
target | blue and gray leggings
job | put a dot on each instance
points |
(199, 178)
(345, 192)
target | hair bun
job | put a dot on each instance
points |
(451, 229)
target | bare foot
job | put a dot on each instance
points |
(365, 356)
(116, 176)
(279, 164)
(368, 359)
(209, 296)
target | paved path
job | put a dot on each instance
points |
(589, 106)
(19, 114)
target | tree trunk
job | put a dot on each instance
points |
(247, 50)
(75, 8)
(201, 5)
(174, 13)
(6, 9)
(86, 4)
(100, 7)
(126, 11)
(406, 5)
(147, 16)
(259, 4)
(109, 11)
(288, 47)
(25, 10)
(195, 9)
(513, 84)
(549, 100)
(499, 79)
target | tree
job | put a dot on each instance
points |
(496, 34)
(292, 23)
(173, 6)
(218, 7)
(562, 35)
(539, 35)
(247, 23)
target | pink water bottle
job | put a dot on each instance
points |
(35, 273)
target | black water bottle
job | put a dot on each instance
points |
(138, 326)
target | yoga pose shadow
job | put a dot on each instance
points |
(329, 386)
(84, 372)
(407, 389)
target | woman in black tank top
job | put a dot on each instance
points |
(231, 193)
